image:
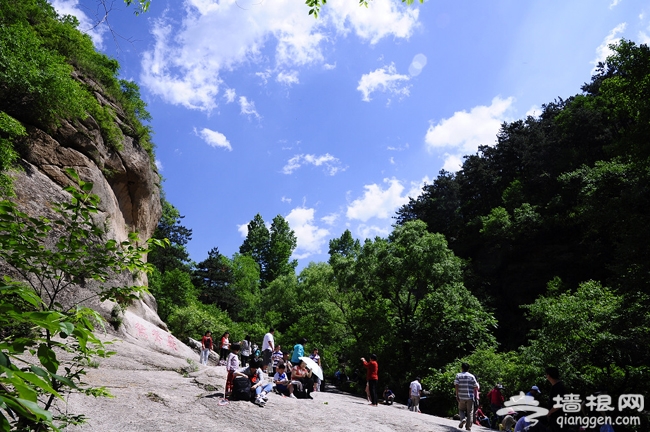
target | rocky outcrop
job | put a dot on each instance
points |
(129, 188)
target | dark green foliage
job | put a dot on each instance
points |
(35, 83)
(214, 279)
(172, 289)
(10, 131)
(270, 249)
(256, 243)
(561, 195)
(409, 287)
(561, 198)
(169, 227)
(49, 71)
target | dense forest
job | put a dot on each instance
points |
(535, 253)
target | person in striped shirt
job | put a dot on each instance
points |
(466, 389)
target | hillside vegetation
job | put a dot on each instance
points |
(534, 254)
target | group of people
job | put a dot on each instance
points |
(292, 375)
(207, 345)
(471, 412)
(287, 374)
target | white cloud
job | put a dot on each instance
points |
(95, 28)
(264, 76)
(614, 3)
(331, 164)
(159, 165)
(310, 237)
(382, 18)
(214, 138)
(328, 66)
(385, 79)
(230, 95)
(603, 51)
(243, 229)
(371, 231)
(248, 108)
(285, 200)
(185, 64)
(288, 78)
(330, 219)
(534, 111)
(382, 203)
(644, 38)
(452, 163)
(466, 131)
(392, 160)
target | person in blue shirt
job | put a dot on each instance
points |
(298, 351)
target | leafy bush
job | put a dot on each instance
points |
(39, 52)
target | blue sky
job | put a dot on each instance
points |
(332, 123)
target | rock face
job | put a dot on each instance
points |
(129, 188)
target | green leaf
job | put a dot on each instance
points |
(4, 360)
(66, 327)
(38, 382)
(48, 358)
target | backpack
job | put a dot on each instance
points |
(241, 389)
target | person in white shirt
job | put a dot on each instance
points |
(415, 391)
(466, 390)
(268, 345)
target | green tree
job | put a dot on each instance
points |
(282, 242)
(256, 243)
(214, 278)
(172, 289)
(169, 227)
(246, 286)
(270, 249)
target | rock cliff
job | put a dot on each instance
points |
(128, 185)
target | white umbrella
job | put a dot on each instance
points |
(315, 369)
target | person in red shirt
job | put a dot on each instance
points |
(372, 376)
(206, 346)
(496, 398)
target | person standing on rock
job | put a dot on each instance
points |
(466, 387)
(372, 375)
(268, 345)
(415, 391)
(298, 351)
(316, 358)
(232, 364)
(206, 346)
(225, 346)
(246, 350)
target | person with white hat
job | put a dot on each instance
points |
(534, 391)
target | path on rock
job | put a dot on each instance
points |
(158, 392)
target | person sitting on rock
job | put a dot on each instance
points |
(301, 378)
(389, 396)
(256, 377)
(282, 383)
